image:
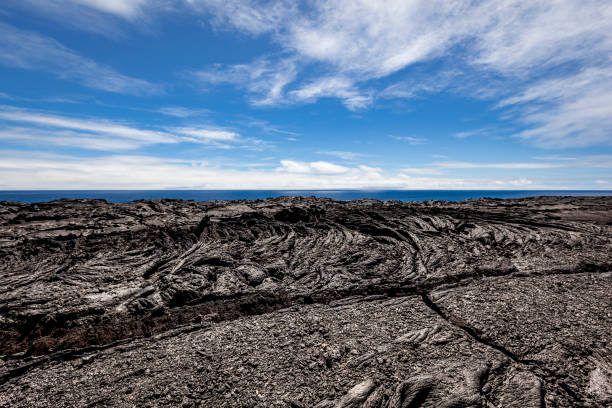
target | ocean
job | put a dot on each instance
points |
(124, 196)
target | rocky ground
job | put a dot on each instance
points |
(307, 302)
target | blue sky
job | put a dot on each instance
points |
(210, 94)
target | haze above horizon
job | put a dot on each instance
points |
(210, 94)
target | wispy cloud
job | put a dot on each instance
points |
(263, 79)
(34, 170)
(469, 165)
(353, 42)
(206, 135)
(513, 39)
(503, 46)
(421, 171)
(601, 161)
(555, 158)
(520, 182)
(348, 156)
(127, 9)
(32, 51)
(410, 139)
(570, 111)
(422, 81)
(594, 161)
(472, 133)
(93, 126)
(372, 39)
(67, 138)
(328, 168)
(101, 134)
(182, 112)
(550, 162)
(333, 87)
(266, 126)
(291, 166)
(105, 17)
(124, 8)
(255, 17)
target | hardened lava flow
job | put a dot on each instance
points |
(307, 302)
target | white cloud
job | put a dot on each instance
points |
(266, 126)
(64, 9)
(94, 126)
(203, 134)
(370, 170)
(321, 167)
(595, 161)
(471, 133)
(357, 40)
(469, 165)
(340, 49)
(375, 39)
(410, 140)
(493, 46)
(572, 111)
(31, 51)
(328, 168)
(100, 134)
(349, 156)
(372, 39)
(255, 17)
(601, 161)
(182, 112)
(422, 81)
(32, 170)
(291, 166)
(35, 170)
(421, 171)
(333, 87)
(555, 158)
(518, 35)
(37, 137)
(68, 14)
(105, 17)
(124, 8)
(265, 80)
(521, 182)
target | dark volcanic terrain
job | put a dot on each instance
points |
(306, 302)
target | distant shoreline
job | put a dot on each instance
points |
(124, 196)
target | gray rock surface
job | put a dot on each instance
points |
(303, 302)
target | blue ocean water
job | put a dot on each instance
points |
(124, 196)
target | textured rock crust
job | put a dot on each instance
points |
(307, 302)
